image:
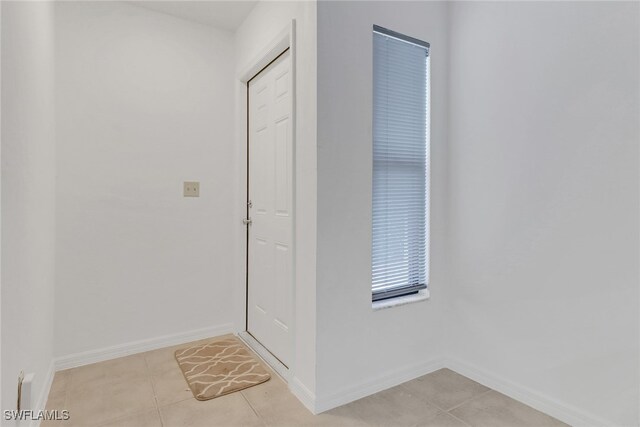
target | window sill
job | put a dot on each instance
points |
(422, 295)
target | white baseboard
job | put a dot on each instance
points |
(376, 384)
(565, 413)
(41, 404)
(303, 394)
(107, 353)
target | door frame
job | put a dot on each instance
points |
(284, 41)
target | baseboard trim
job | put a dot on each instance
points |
(44, 393)
(303, 394)
(563, 412)
(380, 383)
(121, 350)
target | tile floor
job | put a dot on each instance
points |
(148, 390)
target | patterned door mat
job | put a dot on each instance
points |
(220, 367)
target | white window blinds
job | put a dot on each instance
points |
(400, 251)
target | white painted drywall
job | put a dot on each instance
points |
(266, 21)
(223, 14)
(544, 199)
(28, 204)
(144, 102)
(359, 350)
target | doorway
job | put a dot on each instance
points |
(269, 304)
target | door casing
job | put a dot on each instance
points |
(284, 41)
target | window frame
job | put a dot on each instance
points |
(406, 291)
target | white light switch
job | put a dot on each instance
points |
(191, 189)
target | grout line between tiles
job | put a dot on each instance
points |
(155, 393)
(159, 416)
(462, 421)
(470, 399)
(153, 386)
(123, 417)
(152, 376)
(430, 402)
(252, 408)
(424, 399)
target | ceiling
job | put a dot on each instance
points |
(227, 15)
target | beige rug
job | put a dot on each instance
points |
(220, 367)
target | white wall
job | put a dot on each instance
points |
(264, 23)
(28, 207)
(143, 103)
(361, 351)
(544, 201)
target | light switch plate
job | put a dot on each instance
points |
(191, 189)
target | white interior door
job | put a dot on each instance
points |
(270, 270)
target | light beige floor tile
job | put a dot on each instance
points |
(100, 373)
(164, 359)
(54, 423)
(395, 406)
(146, 419)
(339, 417)
(57, 400)
(60, 382)
(97, 405)
(444, 388)
(170, 387)
(497, 410)
(229, 410)
(125, 368)
(85, 375)
(276, 405)
(443, 419)
(160, 361)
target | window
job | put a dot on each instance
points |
(400, 249)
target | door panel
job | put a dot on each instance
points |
(270, 274)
